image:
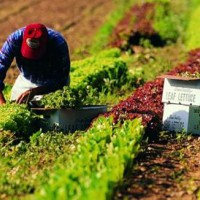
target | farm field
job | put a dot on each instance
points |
(136, 160)
(78, 21)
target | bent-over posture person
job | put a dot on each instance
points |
(42, 57)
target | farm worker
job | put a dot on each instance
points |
(42, 58)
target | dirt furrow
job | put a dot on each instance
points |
(166, 169)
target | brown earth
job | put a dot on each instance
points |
(167, 168)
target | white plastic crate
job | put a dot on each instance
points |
(69, 120)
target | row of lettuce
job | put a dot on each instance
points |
(110, 148)
(105, 73)
(101, 74)
(99, 157)
(91, 164)
(102, 156)
(106, 150)
(84, 165)
(98, 190)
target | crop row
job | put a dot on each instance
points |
(92, 167)
(146, 101)
(115, 145)
(104, 72)
(102, 156)
(18, 119)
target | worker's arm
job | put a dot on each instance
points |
(6, 58)
(7, 54)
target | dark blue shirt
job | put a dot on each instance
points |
(51, 70)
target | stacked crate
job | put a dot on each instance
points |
(181, 98)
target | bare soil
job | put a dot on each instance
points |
(167, 168)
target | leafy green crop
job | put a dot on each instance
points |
(103, 154)
(192, 33)
(17, 119)
(7, 91)
(170, 19)
(24, 166)
(103, 72)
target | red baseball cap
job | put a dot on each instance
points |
(34, 41)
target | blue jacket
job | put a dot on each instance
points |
(52, 69)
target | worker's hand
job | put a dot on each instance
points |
(2, 99)
(26, 96)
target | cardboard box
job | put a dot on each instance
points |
(69, 120)
(181, 90)
(181, 118)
